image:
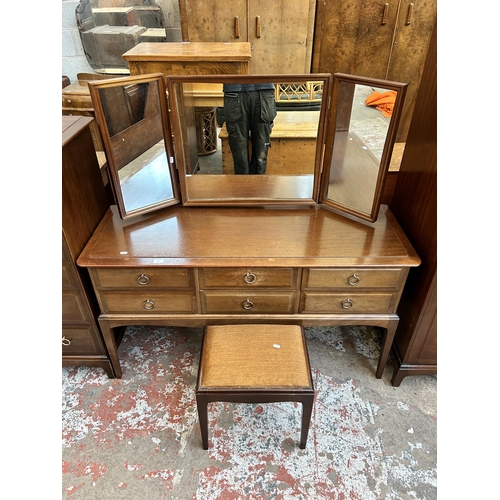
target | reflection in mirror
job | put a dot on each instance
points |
(131, 115)
(366, 118)
(202, 126)
(109, 28)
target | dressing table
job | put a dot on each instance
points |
(232, 249)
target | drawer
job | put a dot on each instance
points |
(228, 302)
(239, 277)
(74, 307)
(148, 302)
(81, 340)
(147, 277)
(348, 303)
(351, 278)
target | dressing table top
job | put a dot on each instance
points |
(266, 237)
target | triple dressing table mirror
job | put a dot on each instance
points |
(327, 147)
(286, 246)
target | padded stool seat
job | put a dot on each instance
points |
(254, 364)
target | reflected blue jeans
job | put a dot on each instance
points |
(249, 115)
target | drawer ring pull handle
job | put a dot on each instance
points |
(143, 279)
(347, 304)
(250, 278)
(148, 305)
(66, 341)
(247, 305)
(353, 280)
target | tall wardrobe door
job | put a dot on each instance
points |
(278, 32)
(214, 20)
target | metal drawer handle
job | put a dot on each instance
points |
(353, 280)
(250, 278)
(143, 279)
(66, 341)
(148, 305)
(347, 304)
(247, 305)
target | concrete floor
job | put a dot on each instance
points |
(138, 437)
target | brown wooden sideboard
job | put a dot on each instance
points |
(193, 266)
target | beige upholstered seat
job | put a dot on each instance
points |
(254, 363)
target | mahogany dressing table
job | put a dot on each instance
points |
(232, 249)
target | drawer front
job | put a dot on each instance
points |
(351, 278)
(228, 302)
(81, 340)
(148, 302)
(239, 277)
(69, 276)
(352, 303)
(74, 308)
(144, 277)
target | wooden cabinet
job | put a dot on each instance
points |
(189, 59)
(415, 203)
(280, 33)
(387, 40)
(305, 266)
(84, 202)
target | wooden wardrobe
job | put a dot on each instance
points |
(414, 204)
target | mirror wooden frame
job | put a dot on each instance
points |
(247, 190)
(341, 109)
(113, 143)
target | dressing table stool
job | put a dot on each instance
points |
(252, 363)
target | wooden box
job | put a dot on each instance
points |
(105, 45)
(116, 16)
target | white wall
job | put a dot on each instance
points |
(73, 58)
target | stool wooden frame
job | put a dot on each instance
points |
(251, 392)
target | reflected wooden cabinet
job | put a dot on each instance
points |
(387, 40)
(280, 33)
(84, 202)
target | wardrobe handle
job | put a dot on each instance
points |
(236, 27)
(143, 279)
(384, 14)
(148, 305)
(250, 278)
(247, 305)
(257, 26)
(409, 17)
(66, 341)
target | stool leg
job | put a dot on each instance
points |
(307, 406)
(202, 405)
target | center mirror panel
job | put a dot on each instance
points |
(249, 139)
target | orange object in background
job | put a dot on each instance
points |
(384, 102)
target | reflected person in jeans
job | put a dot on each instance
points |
(249, 112)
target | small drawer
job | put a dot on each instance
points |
(239, 277)
(81, 340)
(74, 307)
(152, 302)
(354, 303)
(351, 278)
(147, 277)
(247, 303)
